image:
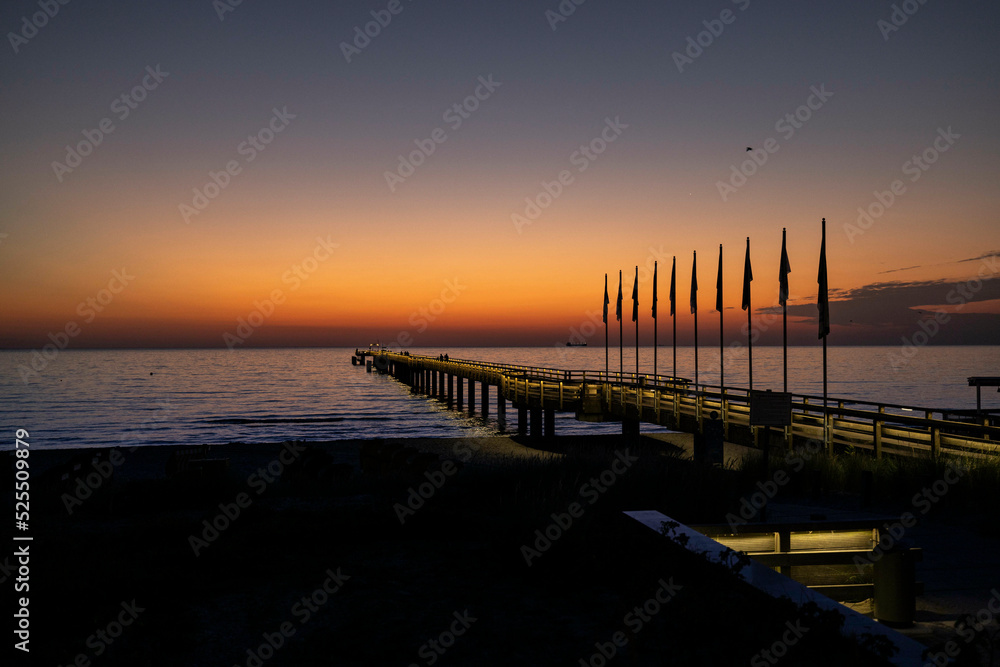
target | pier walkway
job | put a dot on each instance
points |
(677, 404)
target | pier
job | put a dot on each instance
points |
(537, 393)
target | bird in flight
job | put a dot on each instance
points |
(749, 149)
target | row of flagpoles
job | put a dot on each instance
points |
(822, 302)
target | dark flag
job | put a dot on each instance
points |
(654, 290)
(747, 277)
(694, 284)
(823, 301)
(618, 309)
(783, 272)
(635, 297)
(673, 287)
(606, 301)
(718, 284)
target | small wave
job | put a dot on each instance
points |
(245, 421)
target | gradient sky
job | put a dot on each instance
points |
(438, 259)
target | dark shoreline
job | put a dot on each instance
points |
(219, 561)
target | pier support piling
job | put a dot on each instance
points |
(460, 391)
(485, 400)
(550, 422)
(522, 420)
(536, 422)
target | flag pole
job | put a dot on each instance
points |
(718, 307)
(621, 362)
(747, 279)
(606, 327)
(673, 310)
(783, 272)
(823, 302)
(694, 311)
(635, 318)
(654, 322)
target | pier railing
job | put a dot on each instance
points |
(680, 404)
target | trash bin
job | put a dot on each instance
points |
(895, 587)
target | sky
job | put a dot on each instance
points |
(210, 174)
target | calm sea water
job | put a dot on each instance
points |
(159, 397)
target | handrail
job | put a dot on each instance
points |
(734, 397)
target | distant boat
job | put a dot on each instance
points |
(576, 345)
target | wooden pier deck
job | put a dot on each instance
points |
(675, 403)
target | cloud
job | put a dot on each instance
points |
(905, 268)
(883, 312)
(989, 255)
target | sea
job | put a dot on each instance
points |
(106, 398)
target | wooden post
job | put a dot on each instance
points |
(784, 546)
(699, 400)
(877, 433)
(472, 396)
(451, 389)
(485, 399)
(536, 421)
(522, 419)
(460, 392)
(550, 422)
(724, 410)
